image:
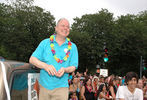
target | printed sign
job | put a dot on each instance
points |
(104, 72)
(33, 86)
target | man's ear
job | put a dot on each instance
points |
(55, 29)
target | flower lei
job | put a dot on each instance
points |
(54, 52)
(90, 90)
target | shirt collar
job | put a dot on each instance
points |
(66, 41)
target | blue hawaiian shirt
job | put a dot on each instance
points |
(44, 54)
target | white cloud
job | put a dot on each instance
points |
(76, 8)
(120, 7)
(70, 8)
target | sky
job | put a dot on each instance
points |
(76, 8)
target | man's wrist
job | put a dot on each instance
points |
(65, 70)
(44, 66)
(69, 69)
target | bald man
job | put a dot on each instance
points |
(56, 57)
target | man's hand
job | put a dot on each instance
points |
(60, 72)
(50, 69)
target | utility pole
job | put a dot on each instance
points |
(140, 66)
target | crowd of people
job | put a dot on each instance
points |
(98, 87)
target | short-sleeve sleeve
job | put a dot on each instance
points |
(120, 93)
(74, 56)
(140, 95)
(38, 53)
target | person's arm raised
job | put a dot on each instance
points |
(82, 93)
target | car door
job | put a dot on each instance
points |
(17, 78)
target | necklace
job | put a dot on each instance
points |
(89, 88)
(54, 52)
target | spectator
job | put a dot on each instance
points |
(95, 85)
(112, 88)
(103, 93)
(73, 96)
(117, 82)
(140, 84)
(130, 92)
(75, 86)
(87, 92)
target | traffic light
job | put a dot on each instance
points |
(144, 64)
(106, 55)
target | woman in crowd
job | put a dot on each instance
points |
(112, 88)
(95, 86)
(87, 92)
(117, 82)
(73, 96)
(103, 93)
(75, 86)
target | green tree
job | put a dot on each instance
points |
(125, 38)
(129, 42)
(26, 26)
(98, 27)
(83, 42)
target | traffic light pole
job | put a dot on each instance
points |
(140, 66)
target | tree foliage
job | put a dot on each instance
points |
(23, 27)
(125, 38)
(98, 27)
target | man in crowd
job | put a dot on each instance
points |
(130, 92)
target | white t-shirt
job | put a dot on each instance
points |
(124, 93)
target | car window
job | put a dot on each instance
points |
(19, 86)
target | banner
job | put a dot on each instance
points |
(33, 86)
